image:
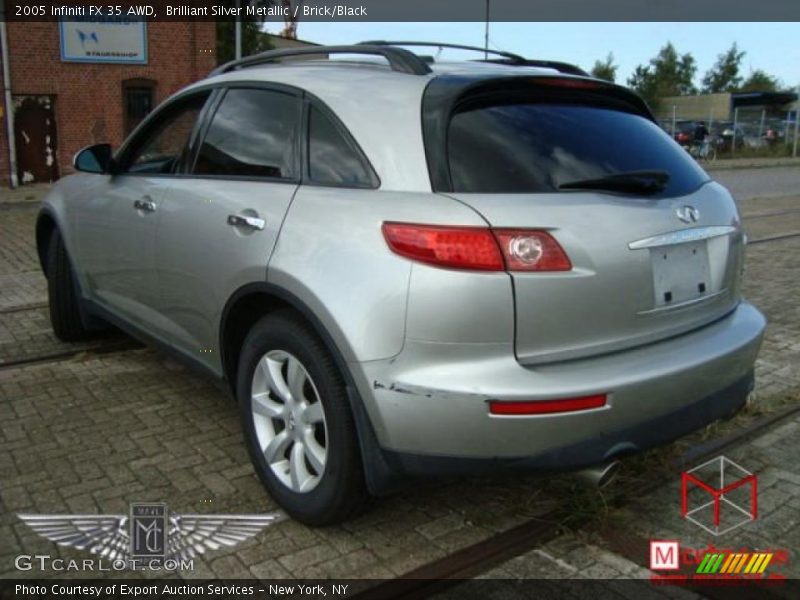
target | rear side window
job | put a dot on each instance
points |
(529, 147)
(332, 158)
(252, 134)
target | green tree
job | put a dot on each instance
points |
(760, 81)
(724, 75)
(254, 40)
(667, 74)
(605, 69)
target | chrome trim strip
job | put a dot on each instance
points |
(682, 236)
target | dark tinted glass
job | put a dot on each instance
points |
(331, 159)
(159, 149)
(535, 147)
(252, 134)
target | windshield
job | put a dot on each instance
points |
(537, 147)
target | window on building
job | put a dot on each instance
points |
(138, 101)
(332, 158)
(252, 134)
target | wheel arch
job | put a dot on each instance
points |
(46, 224)
(255, 300)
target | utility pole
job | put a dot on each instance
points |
(796, 121)
(486, 34)
(238, 30)
(9, 104)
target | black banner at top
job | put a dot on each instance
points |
(405, 10)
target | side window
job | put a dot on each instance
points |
(252, 134)
(161, 146)
(332, 159)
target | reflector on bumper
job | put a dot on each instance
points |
(541, 407)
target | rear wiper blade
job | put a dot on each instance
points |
(632, 182)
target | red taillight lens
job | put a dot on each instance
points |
(454, 247)
(477, 248)
(531, 251)
(543, 407)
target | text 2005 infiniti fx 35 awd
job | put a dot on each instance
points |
(405, 267)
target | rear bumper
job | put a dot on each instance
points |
(592, 451)
(429, 410)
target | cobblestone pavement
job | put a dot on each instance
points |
(95, 432)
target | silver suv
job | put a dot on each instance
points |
(401, 267)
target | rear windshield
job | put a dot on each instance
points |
(525, 147)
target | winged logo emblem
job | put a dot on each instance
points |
(149, 532)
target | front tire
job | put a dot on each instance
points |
(297, 421)
(65, 314)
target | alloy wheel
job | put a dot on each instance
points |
(289, 421)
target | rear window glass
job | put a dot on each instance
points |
(535, 147)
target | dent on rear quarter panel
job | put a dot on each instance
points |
(332, 255)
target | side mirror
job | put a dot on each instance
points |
(94, 159)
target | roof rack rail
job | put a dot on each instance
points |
(507, 58)
(503, 53)
(399, 59)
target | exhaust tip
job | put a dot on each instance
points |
(599, 476)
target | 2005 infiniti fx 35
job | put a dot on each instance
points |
(403, 267)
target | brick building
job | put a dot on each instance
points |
(75, 84)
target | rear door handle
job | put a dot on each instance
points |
(146, 204)
(244, 221)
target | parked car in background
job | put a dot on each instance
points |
(774, 131)
(684, 132)
(723, 133)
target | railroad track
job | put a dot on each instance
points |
(23, 307)
(123, 344)
(771, 213)
(774, 238)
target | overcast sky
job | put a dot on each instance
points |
(773, 47)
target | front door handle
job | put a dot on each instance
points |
(146, 204)
(245, 221)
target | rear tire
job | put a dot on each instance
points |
(299, 428)
(65, 313)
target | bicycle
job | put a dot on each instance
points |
(703, 151)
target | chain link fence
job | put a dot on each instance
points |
(744, 132)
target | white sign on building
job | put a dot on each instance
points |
(111, 40)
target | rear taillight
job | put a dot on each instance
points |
(453, 247)
(531, 251)
(545, 407)
(477, 248)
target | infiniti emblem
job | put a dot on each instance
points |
(688, 214)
